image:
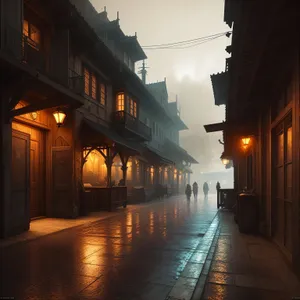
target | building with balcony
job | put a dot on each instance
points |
(261, 130)
(74, 115)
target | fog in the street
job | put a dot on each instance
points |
(187, 71)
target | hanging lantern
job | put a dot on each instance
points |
(246, 142)
(225, 159)
(59, 117)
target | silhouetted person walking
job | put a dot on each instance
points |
(188, 191)
(195, 190)
(218, 186)
(205, 189)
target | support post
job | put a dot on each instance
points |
(124, 160)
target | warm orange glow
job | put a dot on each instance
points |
(129, 169)
(151, 222)
(116, 170)
(94, 87)
(132, 107)
(32, 35)
(246, 141)
(120, 103)
(59, 117)
(151, 175)
(86, 81)
(94, 170)
(166, 175)
(175, 174)
(102, 93)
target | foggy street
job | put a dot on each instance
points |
(138, 254)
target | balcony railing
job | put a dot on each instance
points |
(23, 48)
(76, 82)
(124, 119)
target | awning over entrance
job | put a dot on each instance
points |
(95, 135)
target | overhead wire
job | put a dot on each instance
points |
(185, 44)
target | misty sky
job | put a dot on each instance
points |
(187, 71)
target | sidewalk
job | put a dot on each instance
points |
(46, 226)
(245, 267)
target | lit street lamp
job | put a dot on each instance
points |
(59, 117)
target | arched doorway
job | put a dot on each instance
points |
(94, 172)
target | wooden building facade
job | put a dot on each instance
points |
(58, 65)
(262, 127)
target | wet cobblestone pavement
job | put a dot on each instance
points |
(154, 252)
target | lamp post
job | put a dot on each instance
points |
(59, 117)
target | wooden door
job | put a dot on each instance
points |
(282, 184)
(37, 170)
(36, 179)
(20, 189)
(62, 172)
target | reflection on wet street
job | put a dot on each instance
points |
(138, 254)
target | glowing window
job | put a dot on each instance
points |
(26, 28)
(94, 87)
(120, 102)
(102, 93)
(87, 82)
(32, 35)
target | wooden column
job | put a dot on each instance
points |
(124, 159)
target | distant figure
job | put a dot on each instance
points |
(188, 191)
(205, 189)
(195, 190)
(218, 186)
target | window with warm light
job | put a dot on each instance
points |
(32, 34)
(132, 108)
(94, 87)
(86, 82)
(102, 93)
(120, 103)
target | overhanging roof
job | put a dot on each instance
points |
(178, 153)
(159, 155)
(99, 135)
(133, 46)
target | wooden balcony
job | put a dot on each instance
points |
(131, 127)
(16, 46)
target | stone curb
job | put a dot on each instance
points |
(186, 288)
